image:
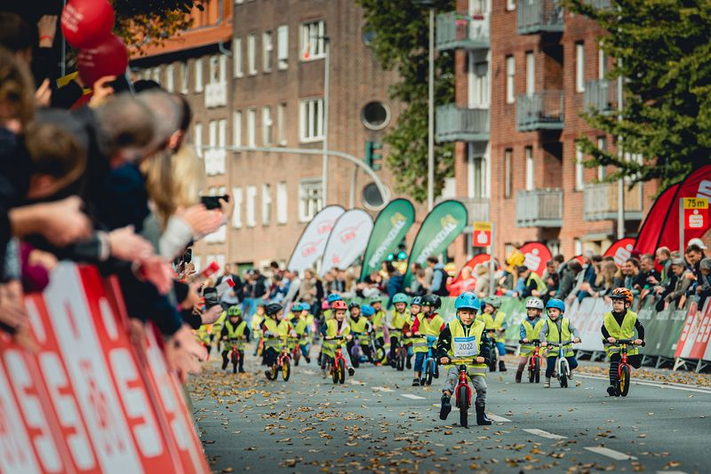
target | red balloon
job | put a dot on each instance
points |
(110, 58)
(86, 23)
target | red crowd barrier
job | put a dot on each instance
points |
(89, 400)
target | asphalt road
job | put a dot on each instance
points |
(378, 422)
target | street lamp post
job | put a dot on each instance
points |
(324, 176)
(430, 116)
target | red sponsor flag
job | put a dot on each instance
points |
(536, 254)
(651, 229)
(697, 184)
(476, 260)
(621, 250)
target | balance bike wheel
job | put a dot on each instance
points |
(286, 370)
(400, 362)
(429, 372)
(355, 358)
(463, 403)
(563, 379)
(624, 383)
(341, 371)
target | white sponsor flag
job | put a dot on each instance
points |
(348, 240)
(313, 241)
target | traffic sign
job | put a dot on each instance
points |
(481, 236)
(696, 213)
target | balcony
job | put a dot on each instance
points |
(539, 208)
(539, 16)
(460, 124)
(601, 95)
(477, 208)
(540, 111)
(462, 31)
(600, 202)
(215, 95)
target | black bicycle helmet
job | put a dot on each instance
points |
(432, 300)
(353, 305)
(273, 308)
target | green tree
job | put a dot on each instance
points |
(400, 31)
(662, 50)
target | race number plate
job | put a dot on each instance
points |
(465, 346)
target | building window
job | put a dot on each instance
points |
(237, 213)
(198, 75)
(310, 198)
(313, 44)
(197, 140)
(507, 173)
(601, 145)
(282, 203)
(476, 179)
(237, 57)
(252, 128)
(223, 69)
(601, 64)
(184, 77)
(267, 127)
(283, 47)
(529, 168)
(281, 124)
(530, 73)
(579, 181)
(170, 78)
(577, 247)
(510, 80)
(311, 122)
(214, 73)
(580, 67)
(267, 50)
(222, 133)
(266, 204)
(251, 203)
(237, 129)
(156, 74)
(212, 133)
(510, 5)
(478, 83)
(251, 54)
(375, 115)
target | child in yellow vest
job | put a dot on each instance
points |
(333, 329)
(465, 339)
(379, 319)
(256, 327)
(398, 317)
(428, 325)
(275, 329)
(495, 322)
(621, 323)
(303, 329)
(557, 328)
(234, 331)
(530, 331)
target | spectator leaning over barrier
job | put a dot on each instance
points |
(631, 274)
(587, 282)
(439, 280)
(703, 288)
(567, 278)
(684, 278)
(515, 260)
(607, 279)
(534, 285)
(551, 278)
(664, 260)
(694, 254)
(649, 277)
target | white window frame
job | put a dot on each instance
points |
(510, 5)
(198, 84)
(310, 198)
(223, 69)
(579, 169)
(601, 63)
(252, 127)
(267, 50)
(266, 204)
(313, 44)
(222, 133)
(170, 78)
(530, 73)
(237, 129)
(281, 124)
(282, 203)
(267, 127)
(237, 57)
(508, 170)
(155, 74)
(197, 138)
(283, 47)
(601, 145)
(476, 160)
(478, 84)
(184, 77)
(251, 206)
(252, 54)
(212, 133)
(237, 213)
(580, 67)
(530, 167)
(510, 79)
(311, 120)
(214, 71)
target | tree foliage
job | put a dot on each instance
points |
(400, 42)
(141, 21)
(662, 50)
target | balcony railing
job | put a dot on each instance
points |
(216, 95)
(539, 16)
(462, 30)
(600, 202)
(539, 208)
(477, 208)
(601, 95)
(460, 124)
(540, 111)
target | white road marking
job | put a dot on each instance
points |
(382, 389)
(671, 472)
(544, 434)
(652, 384)
(498, 419)
(611, 453)
(413, 397)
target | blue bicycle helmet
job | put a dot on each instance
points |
(304, 307)
(556, 303)
(333, 298)
(467, 300)
(367, 310)
(416, 301)
(400, 298)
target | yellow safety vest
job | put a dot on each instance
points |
(281, 330)
(540, 285)
(399, 319)
(328, 315)
(564, 335)
(329, 347)
(378, 319)
(457, 330)
(300, 326)
(496, 322)
(203, 333)
(217, 325)
(626, 331)
(234, 332)
(533, 331)
(257, 326)
(428, 327)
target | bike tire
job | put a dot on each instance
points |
(429, 373)
(342, 371)
(493, 363)
(355, 357)
(537, 373)
(400, 362)
(624, 382)
(379, 354)
(532, 371)
(275, 372)
(463, 403)
(297, 357)
(286, 370)
(334, 373)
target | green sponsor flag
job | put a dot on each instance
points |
(389, 229)
(441, 226)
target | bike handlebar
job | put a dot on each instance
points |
(560, 344)
(532, 341)
(629, 342)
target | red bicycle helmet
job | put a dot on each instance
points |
(623, 294)
(340, 304)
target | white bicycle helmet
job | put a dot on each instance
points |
(535, 303)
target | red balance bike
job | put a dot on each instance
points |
(624, 371)
(234, 355)
(535, 361)
(337, 364)
(463, 391)
(282, 363)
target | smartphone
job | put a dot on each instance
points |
(213, 202)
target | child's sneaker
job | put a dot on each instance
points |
(415, 382)
(612, 391)
(446, 407)
(547, 383)
(351, 371)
